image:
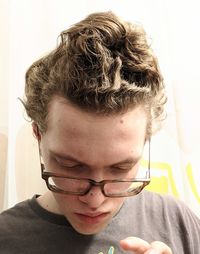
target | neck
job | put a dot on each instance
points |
(48, 202)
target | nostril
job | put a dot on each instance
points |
(94, 198)
(95, 190)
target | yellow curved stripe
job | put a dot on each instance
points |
(158, 184)
(162, 166)
(191, 181)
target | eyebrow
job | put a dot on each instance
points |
(130, 160)
(65, 157)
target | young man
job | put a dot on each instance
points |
(94, 102)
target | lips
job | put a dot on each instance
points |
(92, 218)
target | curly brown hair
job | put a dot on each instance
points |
(102, 64)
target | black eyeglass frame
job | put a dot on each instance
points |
(46, 174)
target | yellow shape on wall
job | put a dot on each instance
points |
(192, 183)
(158, 184)
(162, 184)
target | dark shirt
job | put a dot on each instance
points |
(28, 228)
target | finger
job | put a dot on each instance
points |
(161, 247)
(135, 244)
(152, 251)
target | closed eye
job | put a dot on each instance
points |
(126, 169)
(122, 169)
(71, 167)
(121, 172)
(64, 163)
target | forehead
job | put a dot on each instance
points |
(94, 138)
(63, 114)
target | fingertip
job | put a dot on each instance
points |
(126, 243)
(160, 246)
(152, 251)
(134, 244)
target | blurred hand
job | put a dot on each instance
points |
(139, 246)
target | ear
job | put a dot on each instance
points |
(36, 131)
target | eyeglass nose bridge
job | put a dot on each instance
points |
(98, 184)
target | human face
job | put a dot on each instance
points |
(87, 145)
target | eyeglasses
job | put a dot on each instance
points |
(81, 186)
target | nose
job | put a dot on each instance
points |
(94, 198)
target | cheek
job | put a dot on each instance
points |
(63, 202)
(115, 204)
(118, 201)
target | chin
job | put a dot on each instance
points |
(88, 230)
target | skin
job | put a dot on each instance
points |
(82, 144)
(139, 246)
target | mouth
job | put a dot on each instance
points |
(92, 218)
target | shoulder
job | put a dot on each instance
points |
(15, 216)
(172, 210)
(165, 201)
(16, 208)
(19, 208)
(165, 208)
(149, 198)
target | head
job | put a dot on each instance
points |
(95, 100)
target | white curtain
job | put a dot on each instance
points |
(29, 28)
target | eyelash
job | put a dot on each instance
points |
(75, 170)
(118, 170)
(70, 167)
(62, 165)
(79, 168)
